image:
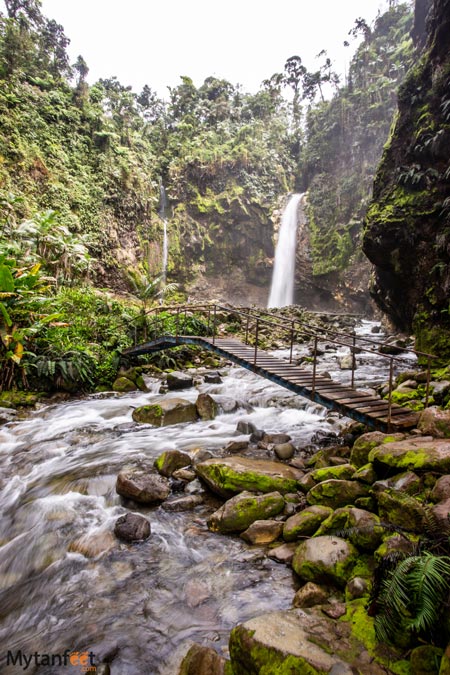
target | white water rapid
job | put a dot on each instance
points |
(282, 287)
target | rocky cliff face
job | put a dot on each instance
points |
(407, 233)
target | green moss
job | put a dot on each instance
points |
(362, 626)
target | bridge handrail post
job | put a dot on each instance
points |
(209, 319)
(313, 390)
(256, 341)
(353, 362)
(177, 323)
(246, 328)
(292, 342)
(427, 393)
(214, 324)
(391, 375)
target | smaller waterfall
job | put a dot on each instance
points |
(163, 216)
(282, 286)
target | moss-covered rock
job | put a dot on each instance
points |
(325, 559)
(305, 523)
(401, 509)
(123, 384)
(426, 660)
(366, 474)
(206, 407)
(417, 454)
(435, 422)
(365, 443)
(262, 532)
(166, 412)
(340, 472)
(230, 475)
(336, 493)
(238, 513)
(170, 461)
(360, 527)
(297, 642)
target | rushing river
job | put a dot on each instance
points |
(67, 583)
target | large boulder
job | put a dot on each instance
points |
(364, 529)
(336, 493)
(206, 407)
(262, 532)
(339, 472)
(202, 660)
(305, 523)
(420, 453)
(238, 513)
(178, 380)
(302, 641)
(169, 411)
(228, 476)
(142, 486)
(132, 527)
(170, 461)
(367, 442)
(435, 422)
(123, 384)
(401, 510)
(326, 559)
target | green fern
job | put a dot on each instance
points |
(412, 596)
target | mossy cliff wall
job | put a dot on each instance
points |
(407, 230)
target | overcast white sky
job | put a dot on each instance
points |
(244, 41)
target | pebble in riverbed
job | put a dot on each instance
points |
(132, 527)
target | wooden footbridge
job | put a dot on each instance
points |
(169, 327)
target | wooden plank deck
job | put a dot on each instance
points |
(358, 405)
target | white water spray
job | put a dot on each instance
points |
(282, 287)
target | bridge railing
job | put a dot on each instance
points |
(253, 321)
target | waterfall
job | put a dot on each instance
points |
(282, 286)
(163, 216)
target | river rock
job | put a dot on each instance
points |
(364, 529)
(93, 545)
(364, 444)
(284, 450)
(188, 475)
(336, 493)
(275, 439)
(171, 460)
(326, 559)
(298, 641)
(407, 481)
(238, 513)
(419, 453)
(441, 489)
(213, 377)
(178, 380)
(366, 474)
(357, 587)
(442, 513)
(235, 446)
(424, 660)
(201, 660)
(132, 527)
(283, 553)
(400, 509)
(262, 532)
(309, 595)
(245, 427)
(123, 384)
(206, 407)
(394, 543)
(345, 362)
(434, 422)
(305, 523)
(169, 411)
(440, 390)
(183, 503)
(142, 486)
(340, 472)
(228, 476)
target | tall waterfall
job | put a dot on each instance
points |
(282, 287)
(163, 216)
